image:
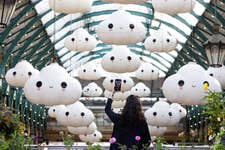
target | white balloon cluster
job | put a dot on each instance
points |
(92, 90)
(70, 6)
(19, 75)
(147, 72)
(114, 31)
(120, 60)
(52, 86)
(163, 114)
(78, 119)
(160, 41)
(174, 6)
(190, 78)
(76, 115)
(89, 72)
(80, 41)
(218, 73)
(141, 90)
(125, 1)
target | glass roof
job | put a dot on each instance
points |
(58, 26)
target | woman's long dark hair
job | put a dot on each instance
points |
(132, 114)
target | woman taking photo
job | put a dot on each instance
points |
(130, 127)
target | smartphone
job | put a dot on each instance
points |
(117, 86)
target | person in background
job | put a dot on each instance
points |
(130, 127)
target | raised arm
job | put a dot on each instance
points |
(114, 117)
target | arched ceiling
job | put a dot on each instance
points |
(36, 34)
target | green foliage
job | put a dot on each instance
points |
(159, 143)
(11, 131)
(90, 146)
(215, 110)
(67, 140)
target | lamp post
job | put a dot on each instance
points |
(7, 8)
(215, 48)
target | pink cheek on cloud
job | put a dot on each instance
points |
(110, 30)
(180, 87)
(38, 89)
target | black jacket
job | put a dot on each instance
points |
(125, 135)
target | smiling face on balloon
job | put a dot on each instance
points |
(92, 90)
(53, 86)
(120, 60)
(147, 72)
(89, 72)
(160, 41)
(76, 115)
(141, 90)
(70, 6)
(193, 79)
(80, 41)
(18, 75)
(161, 114)
(114, 31)
(53, 110)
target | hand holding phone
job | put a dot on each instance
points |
(117, 86)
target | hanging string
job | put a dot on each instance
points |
(54, 57)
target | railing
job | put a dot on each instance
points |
(105, 146)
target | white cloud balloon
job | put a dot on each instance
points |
(161, 114)
(156, 130)
(182, 111)
(18, 75)
(76, 115)
(92, 90)
(141, 90)
(160, 41)
(70, 6)
(218, 73)
(89, 72)
(92, 138)
(53, 86)
(53, 110)
(147, 72)
(125, 1)
(114, 31)
(120, 60)
(126, 82)
(80, 41)
(190, 78)
(174, 6)
(83, 130)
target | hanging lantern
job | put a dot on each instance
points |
(215, 48)
(7, 8)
